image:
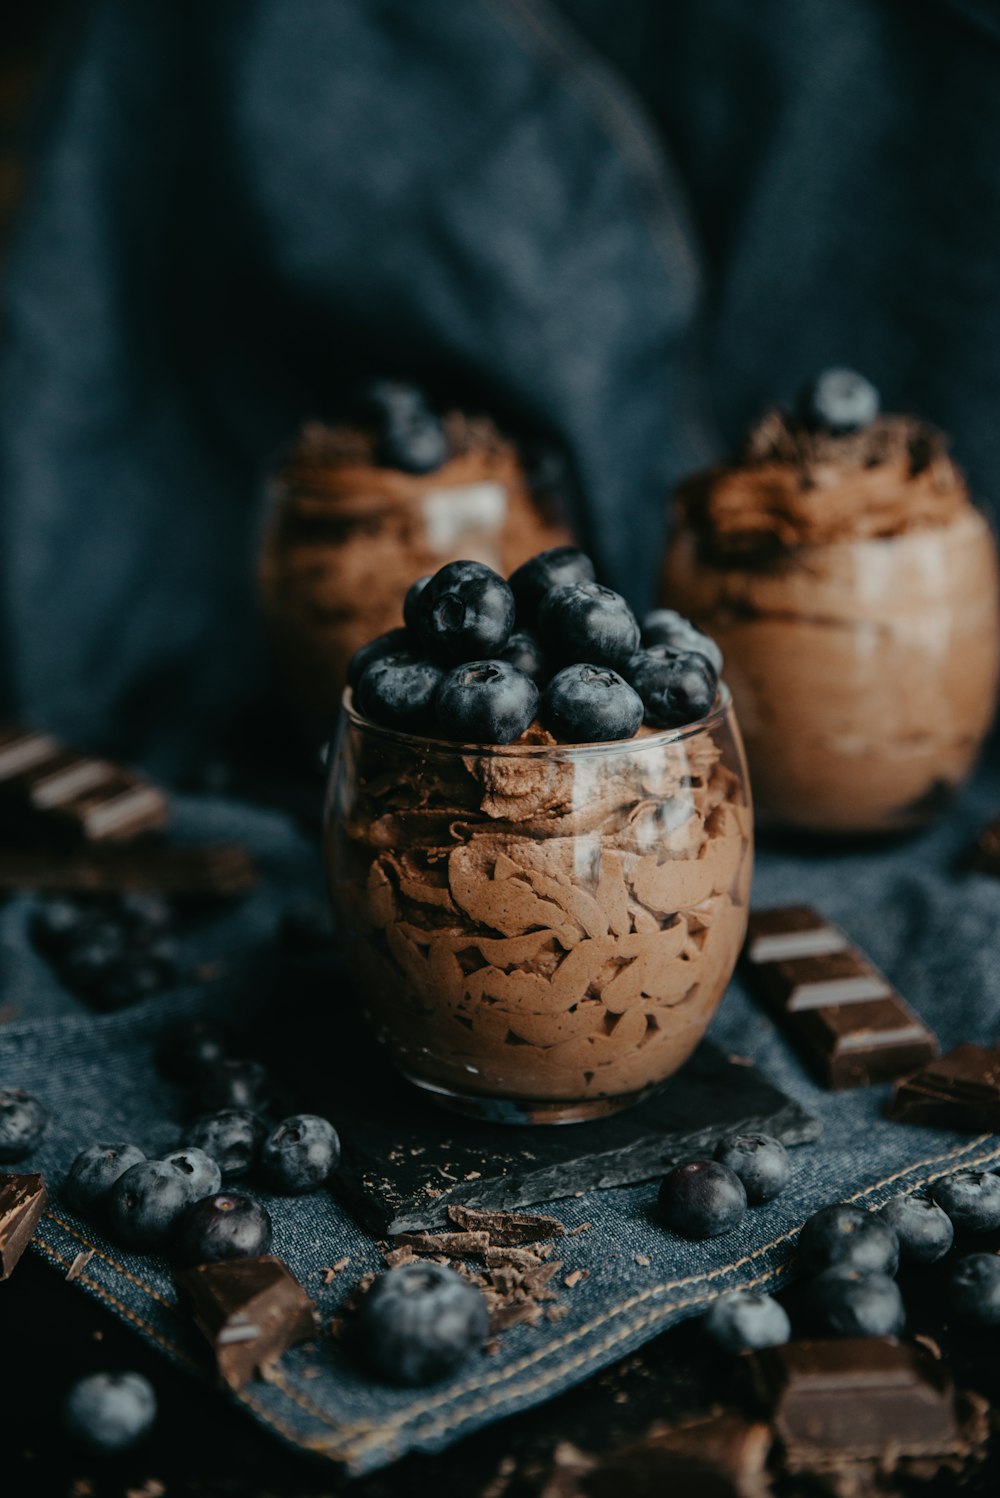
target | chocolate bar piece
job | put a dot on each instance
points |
(850, 1024)
(723, 1456)
(789, 932)
(250, 1311)
(22, 1202)
(45, 787)
(192, 870)
(958, 1091)
(857, 1398)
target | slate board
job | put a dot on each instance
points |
(406, 1160)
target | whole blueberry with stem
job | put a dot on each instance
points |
(845, 1301)
(146, 1201)
(231, 1137)
(924, 1230)
(585, 704)
(547, 569)
(843, 1234)
(301, 1153)
(95, 1170)
(419, 1322)
(399, 691)
(760, 1161)
(465, 613)
(587, 622)
(225, 1226)
(971, 1199)
(486, 702)
(747, 1320)
(702, 1199)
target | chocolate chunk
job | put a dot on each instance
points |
(452, 1245)
(817, 982)
(958, 1091)
(22, 1202)
(250, 1311)
(850, 1024)
(721, 1456)
(186, 871)
(857, 1398)
(789, 932)
(48, 789)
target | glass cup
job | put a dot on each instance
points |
(540, 933)
(864, 672)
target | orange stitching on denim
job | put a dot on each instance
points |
(502, 1375)
(113, 1263)
(275, 1376)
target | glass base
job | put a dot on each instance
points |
(529, 1110)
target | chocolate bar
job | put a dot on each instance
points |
(958, 1091)
(22, 1202)
(250, 1311)
(45, 787)
(183, 871)
(857, 1398)
(851, 1025)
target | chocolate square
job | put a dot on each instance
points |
(843, 977)
(22, 1201)
(250, 1311)
(788, 932)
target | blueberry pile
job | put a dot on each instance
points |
(706, 1198)
(113, 950)
(183, 1203)
(848, 1259)
(478, 658)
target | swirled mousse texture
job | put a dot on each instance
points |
(542, 922)
(347, 536)
(852, 586)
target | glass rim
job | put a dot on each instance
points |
(657, 738)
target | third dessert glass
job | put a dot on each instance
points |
(542, 931)
(852, 585)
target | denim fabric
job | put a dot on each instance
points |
(929, 923)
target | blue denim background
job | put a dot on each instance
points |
(926, 921)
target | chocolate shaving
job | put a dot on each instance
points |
(22, 1201)
(452, 1245)
(79, 1264)
(507, 1229)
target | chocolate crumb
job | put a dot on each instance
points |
(507, 1228)
(642, 1259)
(574, 1277)
(330, 1274)
(492, 1347)
(556, 1313)
(582, 1227)
(79, 1264)
(396, 1256)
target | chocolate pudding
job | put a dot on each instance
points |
(348, 533)
(852, 586)
(542, 932)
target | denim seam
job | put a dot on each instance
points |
(379, 1434)
(368, 1434)
(287, 1431)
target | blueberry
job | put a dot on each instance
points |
(227, 1226)
(465, 613)
(971, 1199)
(193, 1048)
(144, 916)
(414, 441)
(410, 602)
(846, 1235)
(110, 1411)
(95, 1170)
(702, 1199)
(230, 1137)
(590, 705)
(585, 622)
(146, 1201)
(203, 1175)
(675, 689)
(129, 978)
(58, 924)
(549, 569)
(523, 651)
(924, 1231)
(745, 1320)
(974, 1289)
(666, 627)
(418, 1322)
(848, 1302)
(839, 400)
(760, 1161)
(301, 1153)
(22, 1123)
(399, 692)
(235, 1084)
(486, 702)
(393, 642)
(92, 955)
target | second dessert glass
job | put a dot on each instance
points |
(541, 933)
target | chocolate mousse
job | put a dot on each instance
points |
(350, 527)
(852, 586)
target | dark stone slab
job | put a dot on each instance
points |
(406, 1160)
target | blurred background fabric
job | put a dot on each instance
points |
(628, 227)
